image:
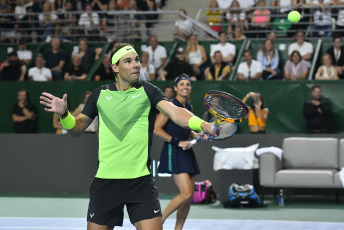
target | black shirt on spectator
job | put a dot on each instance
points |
(104, 74)
(317, 121)
(76, 71)
(176, 68)
(28, 125)
(11, 72)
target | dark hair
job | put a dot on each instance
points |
(246, 51)
(262, 106)
(222, 32)
(167, 87)
(27, 94)
(315, 86)
(298, 54)
(117, 46)
(336, 37)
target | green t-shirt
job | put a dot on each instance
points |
(126, 124)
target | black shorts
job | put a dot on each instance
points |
(108, 197)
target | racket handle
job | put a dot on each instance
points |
(215, 127)
(194, 141)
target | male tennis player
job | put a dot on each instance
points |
(126, 111)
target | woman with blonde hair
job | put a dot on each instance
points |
(235, 18)
(327, 71)
(268, 56)
(196, 55)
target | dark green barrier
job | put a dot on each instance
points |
(284, 100)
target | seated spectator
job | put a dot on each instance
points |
(305, 48)
(177, 67)
(20, 10)
(157, 54)
(55, 59)
(110, 23)
(285, 6)
(183, 27)
(327, 71)
(322, 21)
(249, 69)
(337, 55)
(168, 92)
(47, 20)
(138, 23)
(104, 71)
(24, 54)
(196, 56)
(272, 36)
(317, 111)
(339, 30)
(268, 57)
(305, 20)
(89, 23)
(258, 114)
(75, 71)
(235, 18)
(148, 5)
(147, 71)
(218, 71)
(122, 4)
(227, 49)
(12, 69)
(93, 127)
(99, 5)
(67, 22)
(39, 72)
(214, 16)
(296, 68)
(24, 114)
(88, 55)
(260, 20)
(238, 34)
(7, 25)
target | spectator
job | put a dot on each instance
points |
(322, 21)
(183, 27)
(337, 55)
(24, 54)
(29, 26)
(249, 69)
(12, 69)
(268, 57)
(75, 71)
(214, 16)
(317, 111)
(224, 4)
(88, 55)
(305, 20)
(296, 68)
(47, 20)
(157, 54)
(147, 71)
(20, 10)
(258, 114)
(227, 49)
(99, 5)
(7, 24)
(272, 36)
(168, 92)
(285, 6)
(177, 67)
(138, 23)
(218, 71)
(260, 20)
(24, 114)
(196, 56)
(39, 72)
(327, 71)
(305, 48)
(235, 18)
(68, 21)
(55, 59)
(122, 4)
(238, 34)
(89, 23)
(93, 127)
(339, 31)
(104, 71)
(148, 5)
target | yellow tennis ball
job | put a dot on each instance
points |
(294, 16)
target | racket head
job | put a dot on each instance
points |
(228, 129)
(225, 107)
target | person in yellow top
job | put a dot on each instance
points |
(258, 114)
(218, 71)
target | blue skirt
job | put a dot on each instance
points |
(175, 160)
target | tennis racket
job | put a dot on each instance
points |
(227, 110)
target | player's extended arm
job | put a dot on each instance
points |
(59, 106)
(181, 116)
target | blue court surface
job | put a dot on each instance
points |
(191, 224)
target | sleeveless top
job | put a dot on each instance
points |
(253, 120)
(195, 57)
(325, 74)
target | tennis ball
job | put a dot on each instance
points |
(294, 16)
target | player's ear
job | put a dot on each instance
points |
(114, 68)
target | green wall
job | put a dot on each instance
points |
(283, 98)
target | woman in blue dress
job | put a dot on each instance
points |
(174, 160)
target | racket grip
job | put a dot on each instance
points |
(215, 127)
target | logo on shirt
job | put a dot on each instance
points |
(107, 97)
(136, 95)
(92, 214)
(155, 211)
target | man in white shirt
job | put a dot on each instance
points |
(249, 69)
(157, 54)
(305, 48)
(24, 54)
(39, 72)
(228, 50)
(89, 22)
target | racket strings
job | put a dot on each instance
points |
(226, 107)
(227, 130)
